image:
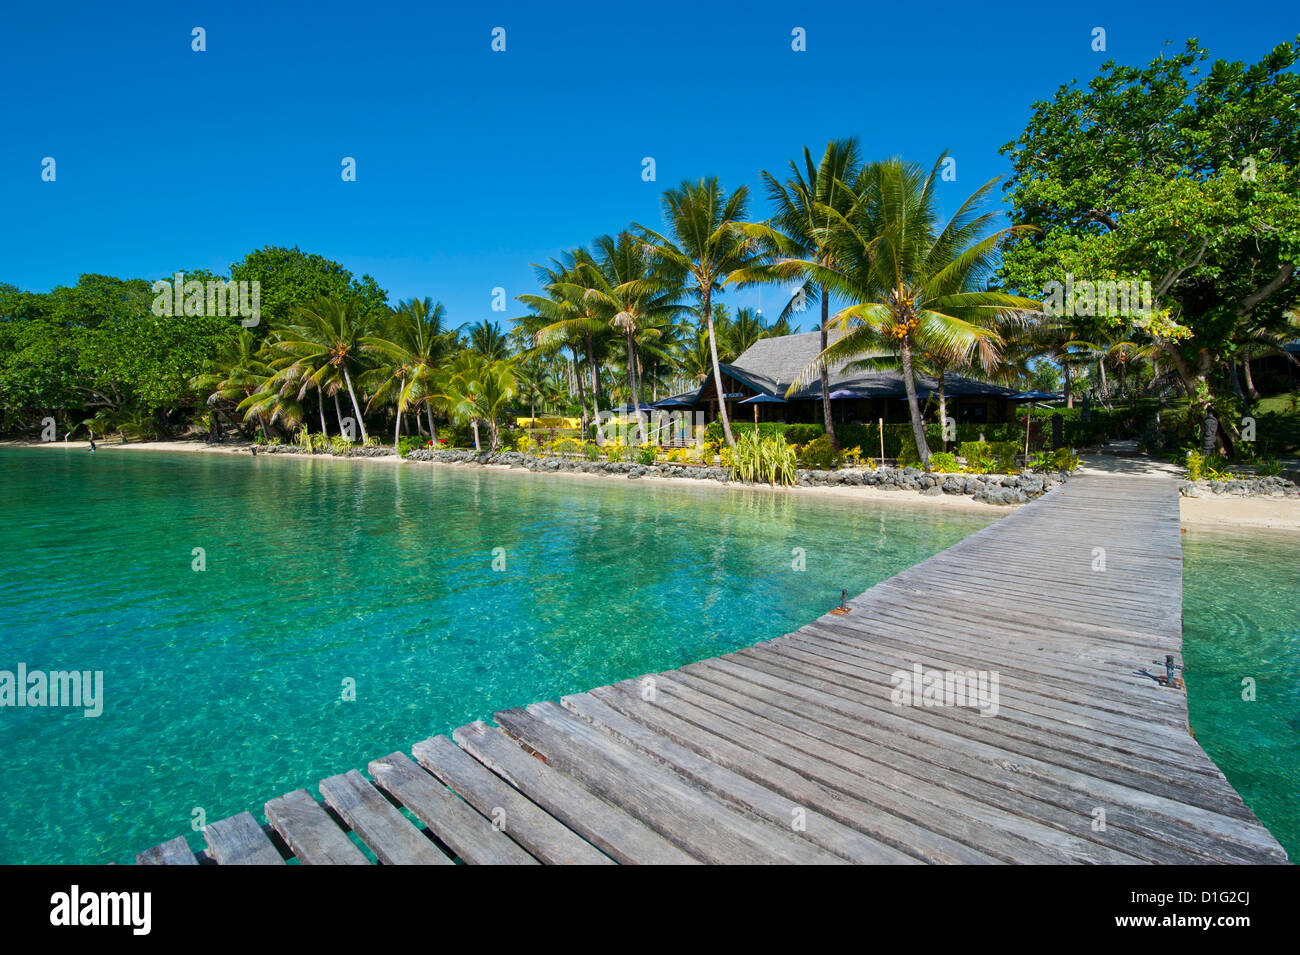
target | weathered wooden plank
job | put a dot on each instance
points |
(737, 789)
(450, 818)
(611, 829)
(690, 817)
(951, 812)
(1147, 837)
(388, 833)
(310, 832)
(1139, 797)
(172, 852)
(239, 840)
(526, 823)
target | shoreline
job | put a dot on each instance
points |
(1278, 514)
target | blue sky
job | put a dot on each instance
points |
(473, 164)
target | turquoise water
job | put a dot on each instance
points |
(223, 688)
(1241, 619)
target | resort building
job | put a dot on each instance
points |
(755, 385)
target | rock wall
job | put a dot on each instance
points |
(1244, 487)
(989, 488)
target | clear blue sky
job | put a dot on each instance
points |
(473, 164)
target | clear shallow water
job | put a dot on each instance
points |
(1241, 618)
(224, 688)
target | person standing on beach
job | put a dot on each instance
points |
(92, 445)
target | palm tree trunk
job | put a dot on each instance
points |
(717, 372)
(356, 408)
(1069, 395)
(397, 431)
(943, 410)
(473, 423)
(826, 375)
(909, 384)
(320, 404)
(433, 434)
(338, 412)
(582, 396)
(595, 384)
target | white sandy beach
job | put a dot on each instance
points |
(1224, 512)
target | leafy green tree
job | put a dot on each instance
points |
(290, 278)
(1151, 174)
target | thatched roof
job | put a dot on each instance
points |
(771, 365)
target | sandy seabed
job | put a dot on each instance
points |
(1226, 512)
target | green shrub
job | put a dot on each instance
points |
(907, 454)
(340, 445)
(978, 455)
(645, 456)
(803, 433)
(738, 428)
(818, 454)
(408, 443)
(945, 462)
(1195, 462)
(614, 452)
(591, 451)
(1005, 452)
(1062, 459)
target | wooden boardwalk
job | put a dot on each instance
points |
(793, 750)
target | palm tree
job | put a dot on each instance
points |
(473, 388)
(327, 338)
(706, 246)
(239, 369)
(567, 318)
(800, 230)
(414, 343)
(742, 331)
(635, 290)
(488, 340)
(908, 278)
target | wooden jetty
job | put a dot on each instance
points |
(796, 750)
